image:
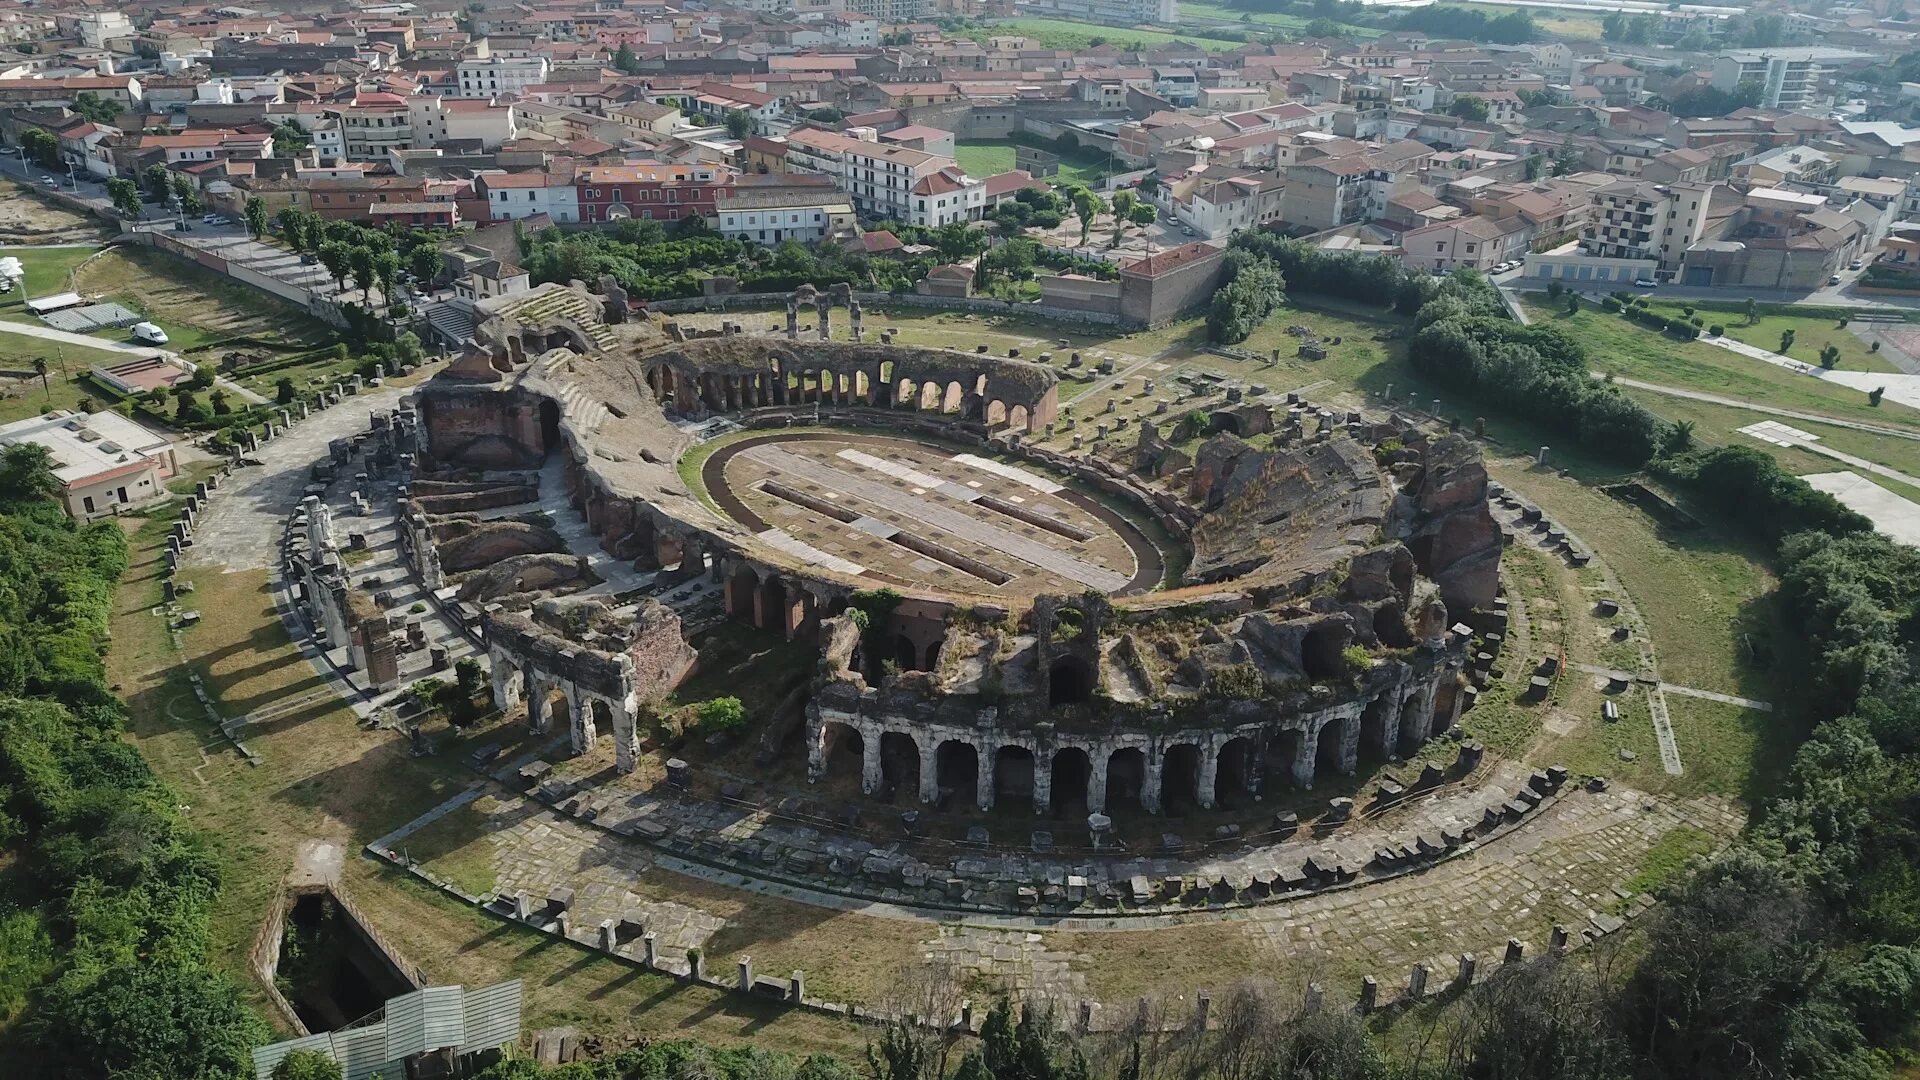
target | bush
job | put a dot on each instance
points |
(1610, 303)
(1749, 486)
(1254, 289)
(1716, 329)
(719, 716)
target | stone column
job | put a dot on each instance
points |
(1150, 786)
(1304, 754)
(1042, 782)
(871, 771)
(929, 772)
(1396, 700)
(580, 713)
(1203, 784)
(626, 740)
(1097, 781)
(983, 786)
(1256, 766)
(1417, 721)
(1348, 729)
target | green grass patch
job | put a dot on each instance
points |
(987, 157)
(1669, 857)
(49, 270)
(1810, 334)
(1254, 20)
(1066, 34)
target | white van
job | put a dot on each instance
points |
(149, 333)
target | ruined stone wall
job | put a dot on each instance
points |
(1156, 301)
(482, 427)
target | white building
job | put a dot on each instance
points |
(516, 196)
(1637, 220)
(776, 217)
(106, 463)
(499, 76)
(439, 120)
(1789, 78)
(885, 181)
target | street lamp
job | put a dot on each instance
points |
(72, 184)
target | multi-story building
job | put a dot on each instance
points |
(945, 196)
(1123, 12)
(880, 178)
(1472, 242)
(499, 76)
(1325, 192)
(1217, 206)
(658, 191)
(774, 214)
(436, 121)
(1636, 220)
(373, 124)
(521, 195)
(1789, 78)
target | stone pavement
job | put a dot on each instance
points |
(241, 527)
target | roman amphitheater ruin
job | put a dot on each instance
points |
(1095, 645)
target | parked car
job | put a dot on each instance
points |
(1855, 264)
(149, 333)
(50, 181)
(1645, 283)
(1834, 279)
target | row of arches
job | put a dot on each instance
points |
(694, 393)
(1171, 776)
(553, 701)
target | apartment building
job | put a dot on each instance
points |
(945, 196)
(499, 76)
(880, 179)
(784, 213)
(373, 124)
(659, 191)
(1325, 192)
(437, 121)
(1472, 242)
(1789, 78)
(522, 195)
(1216, 206)
(1637, 220)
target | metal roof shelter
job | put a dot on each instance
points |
(424, 1021)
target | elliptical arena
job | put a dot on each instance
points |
(1040, 684)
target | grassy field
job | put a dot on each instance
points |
(48, 270)
(1065, 34)
(1256, 19)
(986, 157)
(195, 305)
(1553, 22)
(1635, 351)
(1810, 333)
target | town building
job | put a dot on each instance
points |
(106, 463)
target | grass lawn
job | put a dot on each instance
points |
(48, 271)
(986, 157)
(1629, 349)
(1254, 20)
(196, 305)
(1553, 22)
(1065, 34)
(1810, 334)
(25, 396)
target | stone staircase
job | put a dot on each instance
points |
(552, 303)
(583, 411)
(452, 321)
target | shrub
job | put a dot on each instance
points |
(1716, 329)
(1611, 303)
(719, 716)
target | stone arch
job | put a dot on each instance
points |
(556, 708)
(1375, 739)
(597, 719)
(886, 371)
(841, 748)
(996, 412)
(1126, 775)
(1019, 418)
(1072, 771)
(956, 769)
(740, 590)
(1321, 651)
(1180, 776)
(1283, 747)
(1444, 697)
(953, 398)
(904, 653)
(906, 394)
(900, 764)
(771, 610)
(1326, 758)
(1390, 626)
(929, 396)
(933, 656)
(1013, 775)
(1238, 771)
(668, 552)
(549, 425)
(1069, 681)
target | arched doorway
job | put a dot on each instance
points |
(1018, 418)
(1231, 777)
(842, 751)
(899, 766)
(1013, 776)
(955, 394)
(1282, 747)
(741, 586)
(1180, 779)
(1072, 770)
(1126, 775)
(773, 605)
(549, 425)
(1326, 757)
(1374, 738)
(956, 769)
(599, 719)
(555, 710)
(996, 412)
(1069, 681)
(905, 656)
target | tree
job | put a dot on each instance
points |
(1468, 107)
(338, 259)
(255, 212)
(125, 195)
(360, 265)
(284, 391)
(307, 1065)
(40, 369)
(720, 715)
(386, 273)
(826, 115)
(183, 191)
(1086, 206)
(624, 60)
(1752, 310)
(424, 264)
(26, 471)
(1565, 160)
(739, 123)
(290, 140)
(218, 399)
(185, 406)
(41, 147)
(1144, 214)
(1123, 203)
(293, 227)
(1680, 437)
(1829, 356)
(158, 182)
(94, 107)
(1573, 303)
(1786, 341)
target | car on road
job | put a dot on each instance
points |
(219, 219)
(1645, 283)
(1834, 279)
(49, 180)
(149, 333)
(1855, 264)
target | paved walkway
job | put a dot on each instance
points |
(1767, 431)
(1769, 410)
(1904, 389)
